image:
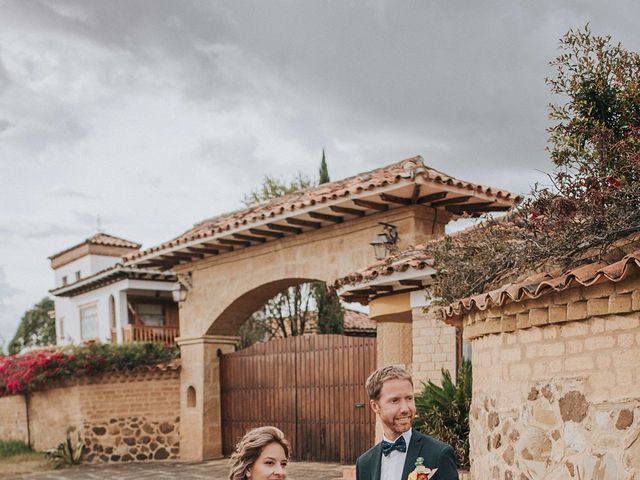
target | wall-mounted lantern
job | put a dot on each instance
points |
(181, 288)
(384, 243)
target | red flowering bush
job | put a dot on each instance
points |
(21, 374)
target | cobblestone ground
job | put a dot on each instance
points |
(213, 470)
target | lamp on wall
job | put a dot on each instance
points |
(384, 243)
(182, 287)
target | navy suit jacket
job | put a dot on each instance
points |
(435, 453)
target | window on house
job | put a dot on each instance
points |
(89, 322)
(64, 280)
(151, 314)
(78, 275)
(61, 327)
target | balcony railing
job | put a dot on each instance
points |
(166, 335)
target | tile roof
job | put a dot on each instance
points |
(412, 171)
(108, 276)
(103, 239)
(544, 283)
(354, 322)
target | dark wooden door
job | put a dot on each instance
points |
(310, 387)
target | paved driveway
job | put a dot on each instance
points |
(212, 470)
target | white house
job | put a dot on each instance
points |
(97, 298)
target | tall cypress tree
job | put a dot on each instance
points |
(324, 171)
(330, 311)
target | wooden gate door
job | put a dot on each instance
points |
(310, 387)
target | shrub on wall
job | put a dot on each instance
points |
(443, 411)
(31, 371)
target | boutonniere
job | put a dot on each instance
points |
(421, 472)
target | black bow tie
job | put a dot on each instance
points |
(399, 444)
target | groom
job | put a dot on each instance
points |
(390, 392)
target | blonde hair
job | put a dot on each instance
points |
(375, 381)
(250, 447)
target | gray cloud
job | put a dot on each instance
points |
(156, 114)
(9, 318)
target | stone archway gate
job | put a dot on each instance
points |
(229, 266)
(310, 387)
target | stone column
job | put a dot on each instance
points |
(392, 315)
(200, 419)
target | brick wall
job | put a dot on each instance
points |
(13, 418)
(120, 417)
(434, 347)
(556, 387)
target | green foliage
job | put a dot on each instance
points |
(36, 327)
(13, 447)
(330, 311)
(323, 174)
(68, 452)
(287, 313)
(590, 212)
(273, 187)
(595, 145)
(443, 411)
(35, 370)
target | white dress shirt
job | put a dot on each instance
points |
(392, 465)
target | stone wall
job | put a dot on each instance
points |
(434, 347)
(13, 418)
(120, 417)
(556, 388)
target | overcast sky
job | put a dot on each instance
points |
(157, 114)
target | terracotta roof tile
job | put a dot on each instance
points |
(417, 258)
(101, 239)
(535, 286)
(408, 169)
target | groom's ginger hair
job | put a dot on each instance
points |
(375, 381)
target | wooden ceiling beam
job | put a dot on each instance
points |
(326, 217)
(478, 207)
(205, 250)
(348, 211)
(187, 256)
(381, 207)
(432, 197)
(395, 199)
(416, 283)
(217, 246)
(239, 243)
(382, 288)
(303, 223)
(416, 194)
(450, 201)
(284, 228)
(249, 238)
(266, 233)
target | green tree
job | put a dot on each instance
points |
(324, 171)
(330, 311)
(443, 411)
(590, 211)
(595, 145)
(273, 187)
(37, 327)
(286, 314)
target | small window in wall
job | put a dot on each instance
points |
(191, 397)
(78, 275)
(89, 322)
(64, 280)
